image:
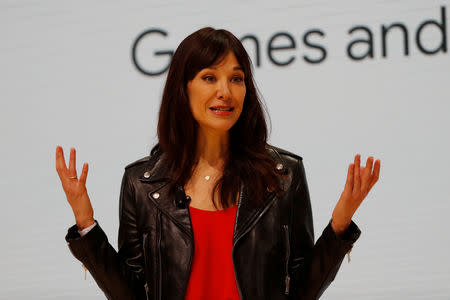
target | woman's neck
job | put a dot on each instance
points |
(212, 148)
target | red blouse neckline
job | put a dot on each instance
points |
(212, 211)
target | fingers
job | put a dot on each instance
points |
(365, 177)
(375, 174)
(361, 179)
(349, 182)
(356, 177)
(60, 162)
(72, 163)
(84, 172)
(71, 172)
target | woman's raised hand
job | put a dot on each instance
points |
(75, 188)
(360, 179)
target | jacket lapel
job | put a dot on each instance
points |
(161, 196)
(248, 213)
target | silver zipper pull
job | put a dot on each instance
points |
(85, 271)
(287, 280)
(146, 290)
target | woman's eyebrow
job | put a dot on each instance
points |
(234, 68)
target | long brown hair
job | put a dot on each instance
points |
(248, 161)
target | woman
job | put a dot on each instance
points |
(214, 212)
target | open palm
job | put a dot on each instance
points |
(360, 180)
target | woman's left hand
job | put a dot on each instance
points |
(360, 181)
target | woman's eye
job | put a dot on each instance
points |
(238, 79)
(208, 78)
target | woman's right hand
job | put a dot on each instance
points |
(75, 188)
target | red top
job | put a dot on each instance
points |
(212, 273)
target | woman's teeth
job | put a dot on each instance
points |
(222, 109)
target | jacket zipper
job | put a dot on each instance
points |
(348, 254)
(159, 277)
(237, 240)
(234, 244)
(144, 245)
(287, 279)
(191, 256)
(146, 290)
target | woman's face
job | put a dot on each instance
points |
(216, 94)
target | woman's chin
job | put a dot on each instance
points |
(218, 128)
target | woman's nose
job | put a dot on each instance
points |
(223, 90)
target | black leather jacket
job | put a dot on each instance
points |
(274, 255)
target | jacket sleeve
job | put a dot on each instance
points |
(120, 275)
(314, 266)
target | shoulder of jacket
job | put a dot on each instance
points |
(282, 153)
(137, 162)
(154, 153)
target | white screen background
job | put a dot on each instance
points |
(67, 78)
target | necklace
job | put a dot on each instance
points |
(209, 177)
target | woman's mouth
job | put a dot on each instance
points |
(222, 110)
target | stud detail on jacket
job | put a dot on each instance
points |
(147, 174)
(155, 195)
(279, 167)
